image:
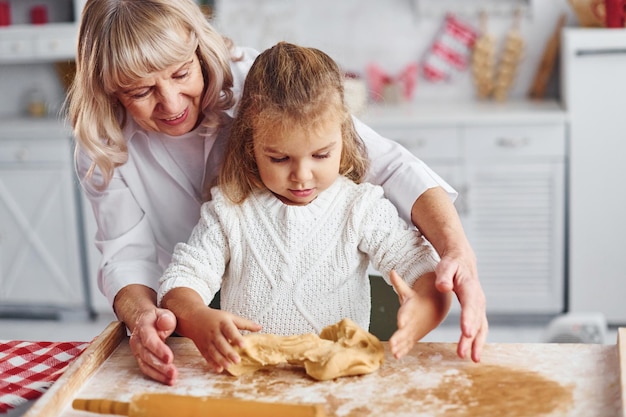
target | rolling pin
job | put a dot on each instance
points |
(168, 405)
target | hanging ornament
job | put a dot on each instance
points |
(450, 50)
(509, 60)
(392, 89)
(484, 60)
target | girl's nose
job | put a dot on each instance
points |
(301, 172)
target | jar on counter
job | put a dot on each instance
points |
(5, 13)
(39, 15)
(36, 103)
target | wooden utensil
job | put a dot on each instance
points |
(167, 405)
(548, 60)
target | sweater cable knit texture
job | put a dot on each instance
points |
(297, 269)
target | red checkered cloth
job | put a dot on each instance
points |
(27, 369)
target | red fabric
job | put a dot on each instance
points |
(27, 369)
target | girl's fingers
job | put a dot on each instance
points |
(399, 344)
(401, 287)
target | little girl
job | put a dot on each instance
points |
(290, 230)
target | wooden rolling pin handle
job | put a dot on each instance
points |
(168, 405)
(101, 406)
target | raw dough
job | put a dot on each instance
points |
(341, 349)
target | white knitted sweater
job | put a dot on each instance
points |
(297, 269)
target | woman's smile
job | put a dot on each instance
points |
(178, 119)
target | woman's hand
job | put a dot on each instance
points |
(436, 217)
(135, 305)
(457, 272)
(147, 342)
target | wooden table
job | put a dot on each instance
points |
(512, 380)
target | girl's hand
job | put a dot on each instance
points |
(214, 332)
(422, 308)
(217, 333)
(403, 339)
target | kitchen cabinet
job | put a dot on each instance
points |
(23, 42)
(594, 93)
(41, 262)
(515, 213)
(40, 253)
(507, 161)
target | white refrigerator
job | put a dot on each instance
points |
(593, 64)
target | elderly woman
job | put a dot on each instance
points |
(151, 105)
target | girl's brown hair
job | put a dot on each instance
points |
(123, 41)
(287, 86)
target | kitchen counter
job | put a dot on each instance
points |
(512, 380)
(450, 113)
(23, 128)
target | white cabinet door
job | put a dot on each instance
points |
(40, 262)
(516, 215)
(99, 303)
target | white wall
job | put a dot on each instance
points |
(354, 32)
(389, 33)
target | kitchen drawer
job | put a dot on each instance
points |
(54, 47)
(427, 142)
(30, 151)
(32, 43)
(514, 141)
(15, 49)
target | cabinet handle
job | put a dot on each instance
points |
(600, 51)
(413, 142)
(512, 142)
(22, 154)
